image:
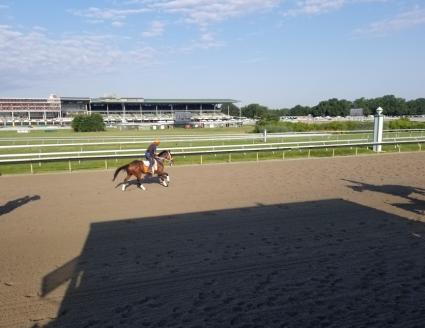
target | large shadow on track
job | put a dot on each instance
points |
(329, 263)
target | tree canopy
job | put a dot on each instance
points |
(392, 105)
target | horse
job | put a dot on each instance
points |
(140, 168)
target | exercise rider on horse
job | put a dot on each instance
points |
(151, 154)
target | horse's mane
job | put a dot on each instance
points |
(162, 153)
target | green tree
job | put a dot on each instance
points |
(282, 112)
(88, 123)
(231, 109)
(76, 122)
(254, 111)
(391, 105)
(299, 110)
(364, 104)
(416, 107)
(332, 107)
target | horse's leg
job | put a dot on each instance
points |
(162, 179)
(124, 184)
(165, 175)
(139, 180)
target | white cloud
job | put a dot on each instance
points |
(34, 55)
(156, 29)
(115, 16)
(403, 21)
(318, 7)
(315, 7)
(204, 12)
(201, 13)
(206, 40)
(117, 23)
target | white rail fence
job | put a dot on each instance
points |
(106, 155)
(123, 140)
(191, 149)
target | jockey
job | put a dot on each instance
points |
(151, 154)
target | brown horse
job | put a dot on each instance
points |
(141, 168)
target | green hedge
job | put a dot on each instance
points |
(88, 123)
(273, 126)
(405, 123)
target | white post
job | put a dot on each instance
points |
(378, 129)
(265, 135)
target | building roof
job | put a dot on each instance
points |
(134, 100)
(159, 101)
(190, 101)
(75, 98)
(118, 100)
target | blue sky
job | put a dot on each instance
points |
(278, 53)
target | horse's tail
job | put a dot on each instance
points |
(124, 167)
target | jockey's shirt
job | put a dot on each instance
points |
(152, 149)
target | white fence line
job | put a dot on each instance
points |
(191, 137)
(177, 150)
(147, 141)
(207, 152)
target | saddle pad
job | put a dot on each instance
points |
(146, 163)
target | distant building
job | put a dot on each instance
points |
(56, 110)
(356, 112)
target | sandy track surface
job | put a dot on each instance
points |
(301, 243)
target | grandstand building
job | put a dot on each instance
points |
(117, 111)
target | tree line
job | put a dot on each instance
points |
(392, 105)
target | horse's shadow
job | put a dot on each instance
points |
(410, 194)
(13, 204)
(147, 180)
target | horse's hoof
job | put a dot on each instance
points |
(165, 184)
(142, 187)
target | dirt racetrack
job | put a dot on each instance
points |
(300, 243)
